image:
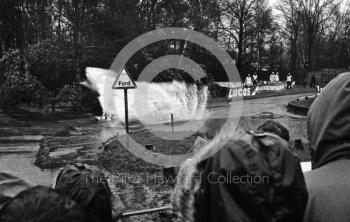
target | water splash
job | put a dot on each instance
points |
(149, 102)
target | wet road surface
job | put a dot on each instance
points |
(18, 153)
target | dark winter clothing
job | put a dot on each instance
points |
(253, 177)
(41, 204)
(89, 188)
(328, 123)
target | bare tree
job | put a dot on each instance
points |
(291, 19)
(314, 14)
(334, 30)
(237, 19)
(263, 23)
(346, 30)
(76, 12)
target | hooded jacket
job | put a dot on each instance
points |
(328, 125)
(87, 187)
(252, 178)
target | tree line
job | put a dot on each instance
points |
(48, 43)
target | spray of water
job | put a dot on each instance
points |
(149, 102)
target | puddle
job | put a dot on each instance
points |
(19, 147)
(65, 151)
(22, 166)
(21, 138)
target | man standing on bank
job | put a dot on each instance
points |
(255, 79)
(248, 81)
(289, 81)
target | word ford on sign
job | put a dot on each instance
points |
(121, 83)
(124, 81)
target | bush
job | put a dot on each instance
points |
(75, 98)
(15, 86)
(216, 90)
(70, 98)
(19, 89)
(52, 63)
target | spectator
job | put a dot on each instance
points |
(248, 81)
(216, 188)
(277, 77)
(313, 82)
(289, 81)
(271, 78)
(4, 200)
(328, 125)
(87, 187)
(10, 186)
(255, 79)
(275, 128)
(41, 204)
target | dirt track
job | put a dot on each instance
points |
(78, 140)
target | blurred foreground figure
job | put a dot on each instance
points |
(253, 177)
(328, 124)
(275, 128)
(41, 204)
(10, 186)
(89, 188)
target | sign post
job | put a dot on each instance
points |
(126, 111)
(123, 81)
(172, 123)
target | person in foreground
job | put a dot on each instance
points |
(328, 125)
(253, 177)
(10, 186)
(89, 188)
(274, 128)
(42, 204)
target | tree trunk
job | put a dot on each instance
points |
(240, 48)
(309, 55)
(294, 55)
(23, 42)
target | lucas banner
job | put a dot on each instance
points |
(252, 91)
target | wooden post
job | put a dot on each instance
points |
(126, 110)
(172, 122)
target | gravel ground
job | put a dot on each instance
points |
(137, 185)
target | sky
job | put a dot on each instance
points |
(273, 4)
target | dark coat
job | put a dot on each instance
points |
(252, 178)
(328, 123)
